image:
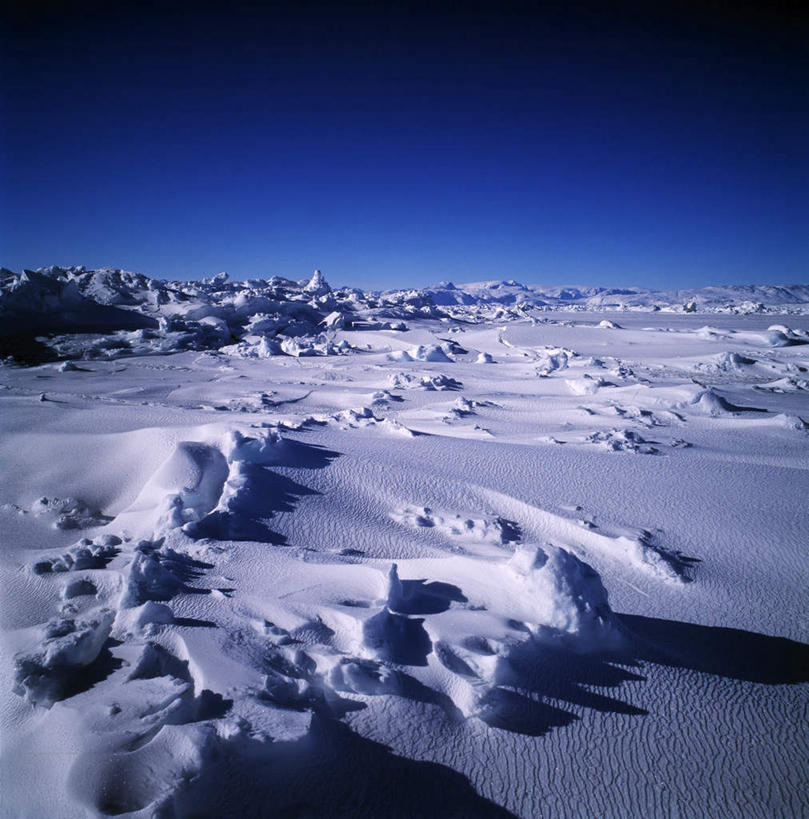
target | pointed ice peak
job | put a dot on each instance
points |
(395, 589)
(318, 285)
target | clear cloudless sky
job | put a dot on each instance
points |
(397, 144)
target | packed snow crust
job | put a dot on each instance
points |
(274, 548)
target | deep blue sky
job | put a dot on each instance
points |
(395, 145)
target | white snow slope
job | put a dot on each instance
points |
(268, 550)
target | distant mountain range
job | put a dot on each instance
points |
(75, 299)
(511, 292)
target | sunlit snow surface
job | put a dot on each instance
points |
(412, 561)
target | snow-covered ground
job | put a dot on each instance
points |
(269, 549)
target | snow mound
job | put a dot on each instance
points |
(565, 595)
(253, 347)
(424, 352)
(461, 408)
(550, 361)
(709, 333)
(623, 440)
(710, 402)
(730, 362)
(786, 385)
(150, 577)
(461, 528)
(68, 513)
(50, 671)
(778, 335)
(587, 384)
(147, 619)
(365, 677)
(320, 345)
(790, 422)
(78, 587)
(266, 447)
(334, 321)
(396, 427)
(84, 555)
(438, 382)
(363, 417)
(184, 489)
(67, 367)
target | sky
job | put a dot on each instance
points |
(397, 144)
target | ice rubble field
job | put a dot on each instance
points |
(497, 561)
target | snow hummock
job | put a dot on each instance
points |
(567, 595)
(44, 675)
